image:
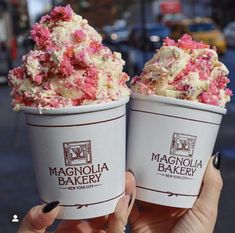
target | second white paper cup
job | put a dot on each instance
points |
(79, 157)
(170, 142)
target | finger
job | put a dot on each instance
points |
(211, 189)
(39, 218)
(130, 189)
(134, 212)
(118, 221)
(74, 226)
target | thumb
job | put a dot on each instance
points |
(118, 221)
(39, 218)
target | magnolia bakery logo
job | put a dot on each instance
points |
(79, 171)
(182, 144)
(180, 162)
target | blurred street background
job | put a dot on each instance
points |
(135, 28)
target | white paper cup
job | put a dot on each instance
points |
(170, 142)
(79, 157)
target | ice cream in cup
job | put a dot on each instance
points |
(176, 109)
(73, 92)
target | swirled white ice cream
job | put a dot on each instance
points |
(186, 70)
(69, 65)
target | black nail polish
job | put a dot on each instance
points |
(50, 206)
(217, 160)
(131, 196)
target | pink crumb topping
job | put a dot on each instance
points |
(46, 86)
(61, 13)
(80, 59)
(58, 13)
(79, 36)
(41, 36)
(210, 76)
(38, 79)
(96, 46)
(17, 73)
(90, 82)
(66, 68)
(70, 62)
(88, 86)
(228, 92)
(185, 42)
(124, 79)
(207, 98)
(202, 65)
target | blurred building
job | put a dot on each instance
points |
(37, 8)
(5, 22)
(6, 40)
(20, 16)
(100, 13)
(155, 11)
(223, 11)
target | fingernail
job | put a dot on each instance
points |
(217, 160)
(131, 196)
(50, 206)
(129, 170)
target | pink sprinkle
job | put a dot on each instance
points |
(38, 79)
(18, 72)
(228, 92)
(169, 42)
(222, 81)
(189, 67)
(54, 103)
(213, 89)
(79, 35)
(62, 13)
(44, 57)
(207, 98)
(96, 46)
(46, 86)
(124, 79)
(66, 68)
(185, 42)
(80, 59)
(41, 36)
(45, 19)
(90, 82)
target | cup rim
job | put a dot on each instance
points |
(180, 102)
(76, 109)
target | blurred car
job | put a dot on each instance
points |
(148, 38)
(115, 35)
(229, 33)
(201, 29)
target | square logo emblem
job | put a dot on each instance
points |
(183, 144)
(77, 153)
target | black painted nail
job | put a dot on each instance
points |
(217, 160)
(131, 196)
(50, 206)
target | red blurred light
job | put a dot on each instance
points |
(170, 7)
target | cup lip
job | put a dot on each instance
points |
(76, 109)
(179, 102)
